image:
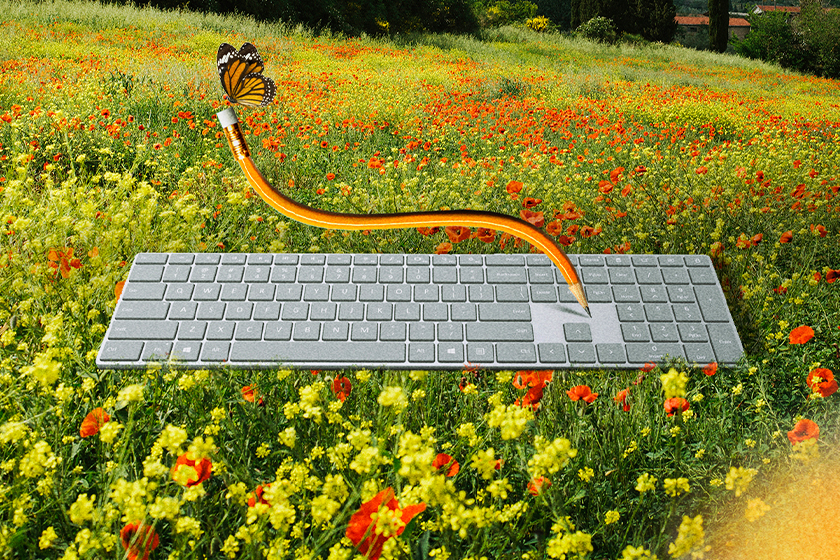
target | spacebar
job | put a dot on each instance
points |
(317, 352)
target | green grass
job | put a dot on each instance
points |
(111, 148)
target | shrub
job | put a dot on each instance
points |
(539, 23)
(599, 29)
(504, 12)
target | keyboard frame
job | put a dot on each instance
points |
(601, 276)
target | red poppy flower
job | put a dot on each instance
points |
(675, 404)
(118, 288)
(486, 235)
(139, 540)
(537, 219)
(621, 399)
(786, 237)
(831, 276)
(532, 378)
(648, 367)
(63, 260)
(582, 392)
(531, 398)
(565, 240)
(341, 388)
(821, 380)
(93, 422)
(428, 231)
(514, 187)
(366, 534)
(801, 334)
(457, 234)
(251, 395)
(589, 231)
(443, 248)
(537, 485)
(555, 228)
(710, 369)
(804, 429)
(198, 472)
(530, 202)
(330, 176)
(444, 461)
(257, 496)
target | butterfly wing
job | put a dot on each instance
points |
(241, 75)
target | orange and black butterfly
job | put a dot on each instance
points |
(241, 75)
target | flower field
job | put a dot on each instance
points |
(109, 147)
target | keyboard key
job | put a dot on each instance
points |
(505, 260)
(316, 292)
(192, 330)
(481, 292)
(234, 292)
(643, 353)
(183, 311)
(239, 311)
(654, 294)
(121, 351)
(471, 275)
(215, 351)
(351, 311)
(283, 274)
(343, 293)
(318, 260)
(463, 312)
(551, 353)
(421, 260)
(426, 293)
(421, 331)
(206, 292)
(591, 260)
(626, 294)
(643, 260)
(687, 313)
(658, 312)
(664, 332)
(725, 342)
(145, 273)
(543, 294)
(648, 276)
(185, 351)
(391, 260)
(148, 292)
(491, 332)
(417, 275)
(285, 259)
(692, 332)
(255, 274)
(220, 330)
(631, 332)
(311, 274)
(295, 311)
(504, 312)
(203, 274)
(610, 353)
(675, 275)
(392, 331)
(366, 331)
(577, 332)
(513, 353)
(541, 275)
(621, 276)
(288, 292)
(702, 276)
(506, 275)
(435, 312)
(421, 352)
(336, 331)
(379, 311)
(445, 275)
(142, 310)
(261, 292)
(450, 332)
(234, 258)
(259, 258)
(451, 352)
(306, 331)
(277, 331)
(207, 258)
(701, 354)
(156, 351)
(230, 274)
(174, 292)
(176, 273)
(470, 260)
(269, 311)
(480, 352)
(595, 276)
(630, 312)
(581, 353)
(371, 292)
(598, 294)
(511, 293)
(712, 304)
(323, 311)
(670, 260)
(407, 312)
(450, 293)
(150, 258)
(337, 274)
(618, 260)
(391, 274)
(249, 330)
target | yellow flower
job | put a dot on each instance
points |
(611, 517)
(675, 486)
(690, 538)
(640, 553)
(755, 509)
(550, 457)
(392, 396)
(109, 431)
(132, 393)
(47, 538)
(739, 479)
(674, 383)
(82, 509)
(363, 375)
(586, 474)
(645, 483)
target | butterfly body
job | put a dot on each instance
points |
(241, 74)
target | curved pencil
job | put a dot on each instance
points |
(333, 220)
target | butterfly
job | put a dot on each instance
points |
(241, 75)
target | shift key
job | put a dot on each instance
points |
(500, 332)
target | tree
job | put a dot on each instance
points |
(820, 31)
(718, 25)
(655, 20)
(772, 39)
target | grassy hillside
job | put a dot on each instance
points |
(109, 147)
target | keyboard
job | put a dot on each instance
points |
(397, 311)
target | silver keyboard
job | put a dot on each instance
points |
(397, 311)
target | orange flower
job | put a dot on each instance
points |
(486, 235)
(537, 485)
(589, 231)
(257, 496)
(621, 399)
(804, 429)
(139, 540)
(801, 334)
(369, 535)
(821, 380)
(532, 378)
(443, 248)
(530, 202)
(711, 369)
(341, 388)
(428, 231)
(786, 237)
(582, 392)
(831, 276)
(531, 398)
(537, 219)
(514, 187)
(330, 176)
(63, 260)
(443, 460)
(457, 234)
(555, 228)
(250, 394)
(675, 404)
(118, 288)
(188, 472)
(92, 423)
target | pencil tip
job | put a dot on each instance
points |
(588, 312)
